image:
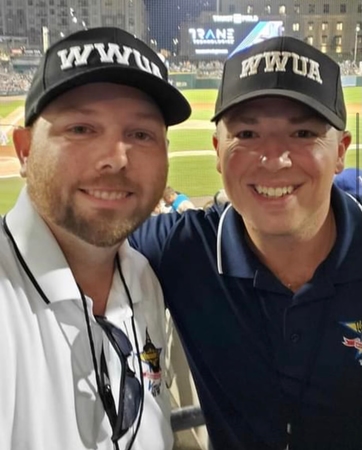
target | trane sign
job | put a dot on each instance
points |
(212, 36)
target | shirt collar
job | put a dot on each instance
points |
(346, 253)
(48, 265)
(234, 257)
(40, 251)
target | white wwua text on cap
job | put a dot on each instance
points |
(77, 56)
(277, 62)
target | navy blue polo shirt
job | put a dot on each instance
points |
(271, 367)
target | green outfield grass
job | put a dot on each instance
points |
(353, 94)
(7, 108)
(9, 190)
(195, 175)
(186, 140)
(200, 95)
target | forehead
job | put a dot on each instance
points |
(93, 94)
(272, 106)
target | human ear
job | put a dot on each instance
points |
(215, 143)
(344, 143)
(22, 142)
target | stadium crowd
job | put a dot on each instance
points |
(350, 68)
(203, 69)
(12, 82)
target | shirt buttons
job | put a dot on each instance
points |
(295, 337)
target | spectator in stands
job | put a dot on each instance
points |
(208, 204)
(350, 181)
(161, 208)
(4, 140)
(177, 201)
(15, 83)
(220, 197)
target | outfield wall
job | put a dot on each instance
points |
(192, 81)
(12, 93)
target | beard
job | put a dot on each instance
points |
(102, 228)
(105, 231)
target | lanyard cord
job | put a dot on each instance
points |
(23, 263)
(137, 350)
(88, 322)
(93, 353)
(91, 342)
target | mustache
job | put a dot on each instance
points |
(110, 181)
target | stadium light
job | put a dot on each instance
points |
(45, 35)
(358, 29)
(75, 19)
(72, 15)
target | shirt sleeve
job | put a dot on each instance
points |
(150, 238)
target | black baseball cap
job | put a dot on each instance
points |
(284, 67)
(104, 54)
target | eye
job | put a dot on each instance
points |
(80, 129)
(142, 135)
(305, 134)
(246, 134)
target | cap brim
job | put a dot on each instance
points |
(332, 118)
(173, 105)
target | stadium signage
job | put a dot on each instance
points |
(277, 61)
(79, 55)
(215, 36)
(234, 18)
(32, 52)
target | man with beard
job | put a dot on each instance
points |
(79, 307)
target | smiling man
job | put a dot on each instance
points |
(266, 291)
(79, 308)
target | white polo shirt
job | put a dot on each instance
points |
(48, 394)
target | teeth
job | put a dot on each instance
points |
(274, 192)
(107, 195)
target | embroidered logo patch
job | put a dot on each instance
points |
(355, 341)
(151, 357)
(277, 62)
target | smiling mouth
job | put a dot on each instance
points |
(273, 192)
(106, 195)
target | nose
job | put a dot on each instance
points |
(114, 156)
(274, 157)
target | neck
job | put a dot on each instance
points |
(92, 267)
(294, 259)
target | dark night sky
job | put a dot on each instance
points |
(166, 15)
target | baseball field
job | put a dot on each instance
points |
(192, 160)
